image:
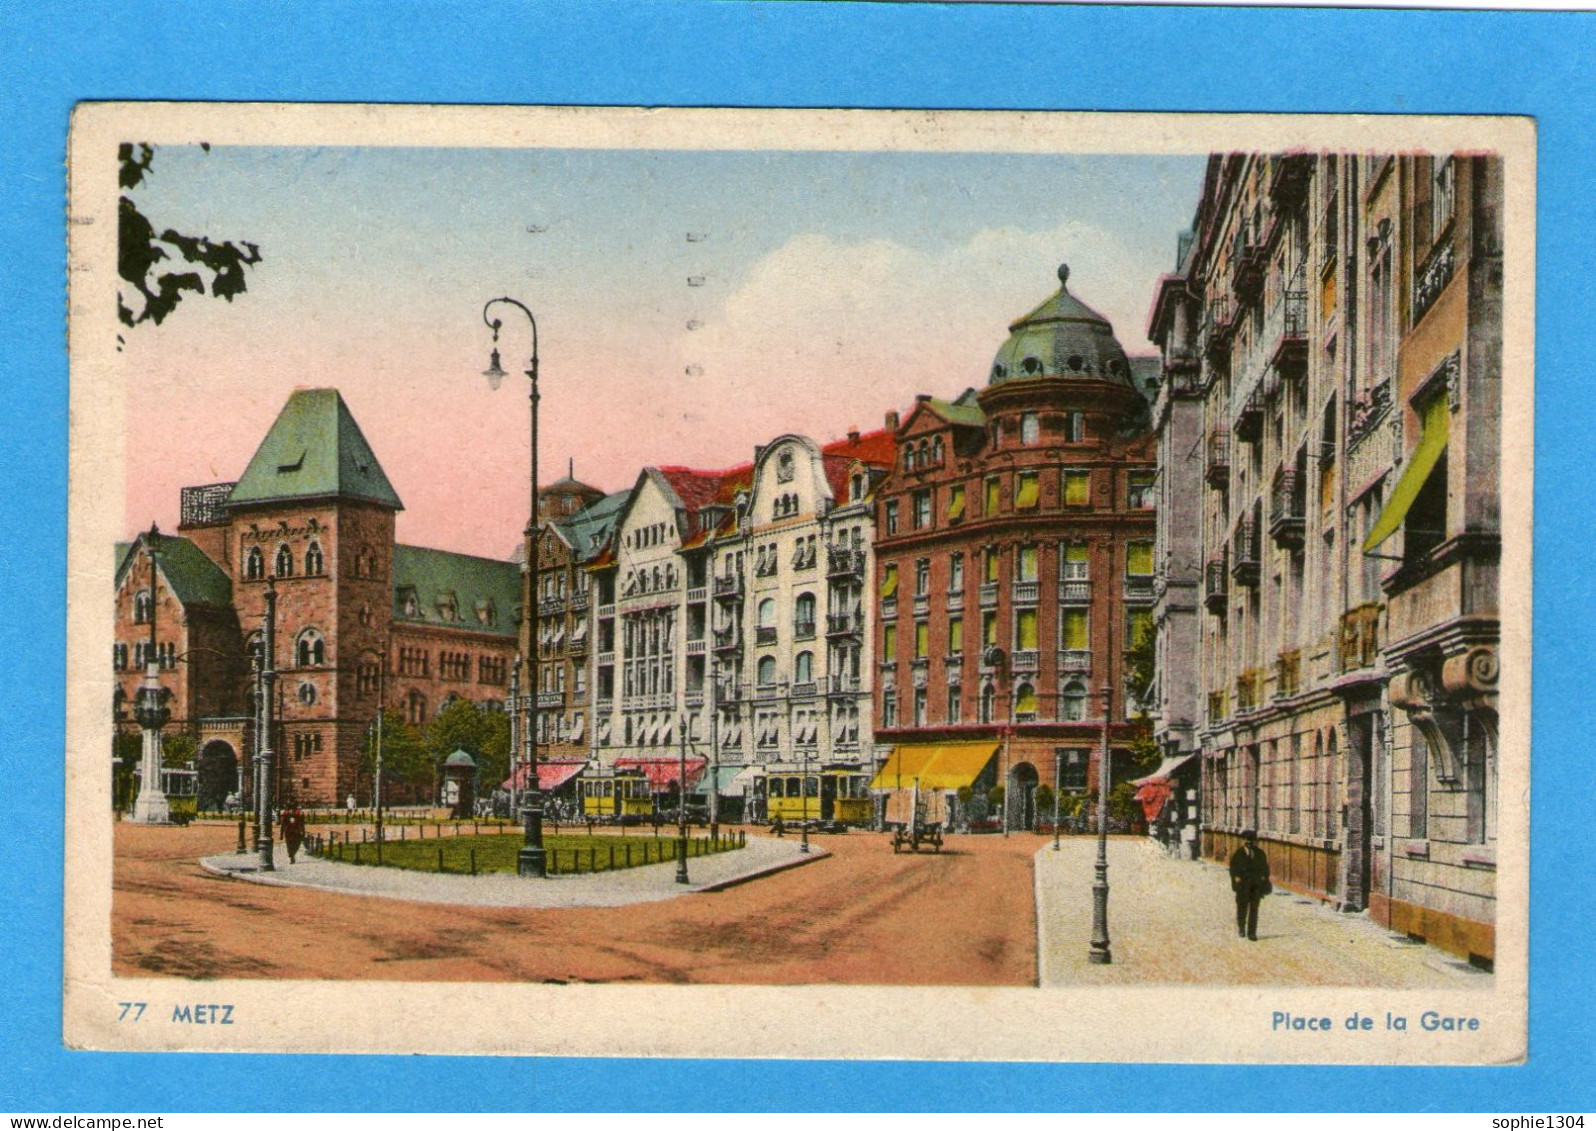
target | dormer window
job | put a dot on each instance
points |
(447, 608)
(486, 614)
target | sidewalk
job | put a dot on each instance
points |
(647, 884)
(1174, 921)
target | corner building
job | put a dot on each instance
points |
(1332, 343)
(1014, 566)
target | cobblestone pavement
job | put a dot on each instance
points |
(644, 884)
(1174, 921)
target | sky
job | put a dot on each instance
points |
(689, 305)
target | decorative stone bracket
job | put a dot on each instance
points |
(1468, 681)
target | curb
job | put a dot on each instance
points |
(784, 866)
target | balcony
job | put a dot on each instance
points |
(1289, 175)
(803, 630)
(579, 600)
(989, 595)
(1249, 421)
(1025, 660)
(1360, 637)
(844, 624)
(1432, 279)
(1075, 591)
(845, 563)
(606, 609)
(1288, 674)
(1216, 592)
(697, 593)
(1248, 259)
(1286, 522)
(548, 606)
(1246, 564)
(727, 640)
(547, 699)
(1289, 355)
(605, 659)
(843, 684)
(1222, 318)
(770, 690)
(1138, 588)
(805, 690)
(955, 598)
(729, 588)
(1075, 660)
(954, 662)
(889, 608)
(1218, 467)
(730, 691)
(765, 634)
(693, 699)
(922, 604)
(1025, 592)
(695, 647)
(604, 703)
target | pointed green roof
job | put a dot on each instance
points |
(193, 578)
(314, 450)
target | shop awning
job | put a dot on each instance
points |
(718, 778)
(1432, 443)
(551, 775)
(661, 772)
(1152, 794)
(743, 778)
(1166, 768)
(943, 765)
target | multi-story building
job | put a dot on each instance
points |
(312, 517)
(1014, 566)
(790, 627)
(1339, 316)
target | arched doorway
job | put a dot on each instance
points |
(218, 776)
(1020, 796)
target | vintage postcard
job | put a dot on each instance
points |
(753, 583)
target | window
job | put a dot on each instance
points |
(956, 573)
(803, 667)
(313, 561)
(1073, 631)
(989, 630)
(922, 509)
(1139, 559)
(889, 644)
(936, 450)
(993, 490)
(1027, 490)
(922, 639)
(1074, 768)
(919, 706)
(955, 635)
(889, 579)
(1074, 703)
(988, 703)
(1025, 630)
(310, 650)
(1077, 488)
(1074, 428)
(285, 561)
(415, 708)
(307, 693)
(143, 603)
(1140, 496)
(990, 565)
(955, 703)
(1138, 623)
(803, 614)
(1074, 565)
(955, 502)
(1025, 703)
(1443, 196)
(892, 517)
(1419, 787)
(767, 613)
(767, 671)
(1025, 563)
(1030, 429)
(255, 564)
(922, 577)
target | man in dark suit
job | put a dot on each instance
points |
(1249, 879)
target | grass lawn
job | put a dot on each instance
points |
(567, 853)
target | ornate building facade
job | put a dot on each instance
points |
(1332, 345)
(1014, 566)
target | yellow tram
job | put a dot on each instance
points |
(620, 795)
(837, 793)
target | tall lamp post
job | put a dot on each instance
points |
(681, 810)
(152, 713)
(531, 861)
(1100, 953)
(1058, 790)
(263, 771)
(382, 708)
(515, 731)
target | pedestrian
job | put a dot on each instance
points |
(1249, 880)
(293, 831)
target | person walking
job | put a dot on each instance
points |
(293, 831)
(1249, 880)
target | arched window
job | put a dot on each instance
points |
(988, 702)
(310, 650)
(925, 453)
(767, 613)
(856, 489)
(415, 708)
(936, 450)
(803, 667)
(1025, 703)
(285, 561)
(142, 604)
(1030, 428)
(767, 671)
(908, 458)
(804, 610)
(313, 561)
(255, 564)
(1074, 701)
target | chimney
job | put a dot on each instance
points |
(853, 434)
(892, 420)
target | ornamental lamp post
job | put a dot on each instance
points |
(515, 731)
(1100, 953)
(1058, 790)
(151, 712)
(263, 779)
(377, 726)
(531, 861)
(681, 810)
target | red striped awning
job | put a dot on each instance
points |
(661, 772)
(551, 775)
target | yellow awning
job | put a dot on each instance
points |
(889, 580)
(1432, 442)
(950, 765)
(955, 502)
(1030, 490)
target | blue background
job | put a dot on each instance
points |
(701, 53)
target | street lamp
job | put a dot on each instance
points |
(531, 860)
(1058, 790)
(263, 769)
(152, 713)
(382, 707)
(515, 733)
(1099, 953)
(681, 810)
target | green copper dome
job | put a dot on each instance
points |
(1062, 338)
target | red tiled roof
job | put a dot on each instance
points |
(698, 489)
(871, 447)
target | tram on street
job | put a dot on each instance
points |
(617, 796)
(835, 793)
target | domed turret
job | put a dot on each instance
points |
(1062, 338)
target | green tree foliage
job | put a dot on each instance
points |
(481, 732)
(1140, 672)
(1044, 802)
(405, 757)
(177, 751)
(161, 268)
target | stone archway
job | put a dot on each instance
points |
(1019, 796)
(218, 776)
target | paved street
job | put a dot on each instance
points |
(861, 915)
(1175, 921)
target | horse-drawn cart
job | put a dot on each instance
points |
(912, 835)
